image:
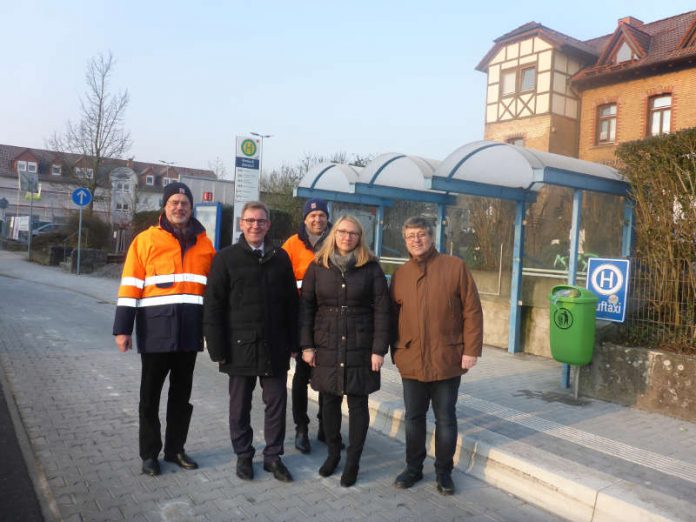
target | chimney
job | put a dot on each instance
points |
(629, 20)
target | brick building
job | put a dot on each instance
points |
(549, 91)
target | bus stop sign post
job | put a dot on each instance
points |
(80, 197)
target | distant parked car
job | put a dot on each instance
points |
(48, 228)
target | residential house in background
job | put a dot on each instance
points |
(552, 92)
(126, 186)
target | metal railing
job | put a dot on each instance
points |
(662, 304)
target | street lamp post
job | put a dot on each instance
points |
(262, 137)
(168, 164)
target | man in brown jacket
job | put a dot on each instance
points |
(439, 338)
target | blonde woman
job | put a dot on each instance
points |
(344, 337)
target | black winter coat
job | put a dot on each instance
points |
(346, 318)
(250, 311)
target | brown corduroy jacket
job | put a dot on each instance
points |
(438, 318)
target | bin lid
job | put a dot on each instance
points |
(572, 294)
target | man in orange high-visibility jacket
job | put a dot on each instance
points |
(301, 248)
(162, 287)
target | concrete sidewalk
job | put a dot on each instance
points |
(521, 432)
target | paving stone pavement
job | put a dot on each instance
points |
(77, 398)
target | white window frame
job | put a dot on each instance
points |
(150, 180)
(32, 167)
(21, 166)
(56, 170)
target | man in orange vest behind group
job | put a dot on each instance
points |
(301, 248)
(162, 288)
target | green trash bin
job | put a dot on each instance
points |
(572, 311)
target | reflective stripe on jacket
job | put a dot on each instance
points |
(162, 290)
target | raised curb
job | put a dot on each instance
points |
(560, 486)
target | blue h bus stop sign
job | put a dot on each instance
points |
(608, 279)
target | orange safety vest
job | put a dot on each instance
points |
(300, 257)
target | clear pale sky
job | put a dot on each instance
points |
(321, 76)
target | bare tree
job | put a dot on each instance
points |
(218, 167)
(287, 177)
(99, 134)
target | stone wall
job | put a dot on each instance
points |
(647, 379)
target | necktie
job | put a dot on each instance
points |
(258, 253)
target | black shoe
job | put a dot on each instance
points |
(302, 440)
(280, 472)
(350, 475)
(245, 470)
(329, 465)
(445, 484)
(407, 478)
(151, 467)
(182, 460)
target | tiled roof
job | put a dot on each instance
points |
(562, 41)
(662, 41)
(47, 157)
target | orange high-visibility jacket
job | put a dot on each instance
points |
(301, 253)
(300, 256)
(162, 290)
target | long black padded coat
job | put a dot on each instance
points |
(346, 318)
(250, 311)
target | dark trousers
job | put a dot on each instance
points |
(417, 397)
(358, 422)
(300, 381)
(275, 397)
(155, 367)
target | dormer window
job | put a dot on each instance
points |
(166, 181)
(21, 166)
(625, 53)
(149, 180)
(55, 170)
(32, 167)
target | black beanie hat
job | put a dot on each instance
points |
(176, 188)
(315, 204)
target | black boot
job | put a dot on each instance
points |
(331, 462)
(350, 474)
(302, 440)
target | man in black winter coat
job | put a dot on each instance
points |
(250, 326)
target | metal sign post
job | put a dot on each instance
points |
(80, 197)
(29, 182)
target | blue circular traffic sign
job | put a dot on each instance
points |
(81, 197)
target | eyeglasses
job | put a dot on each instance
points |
(252, 221)
(348, 233)
(411, 238)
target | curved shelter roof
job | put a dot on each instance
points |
(331, 176)
(335, 182)
(398, 170)
(501, 170)
(400, 177)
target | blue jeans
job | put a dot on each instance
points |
(417, 398)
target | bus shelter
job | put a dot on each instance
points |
(496, 172)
